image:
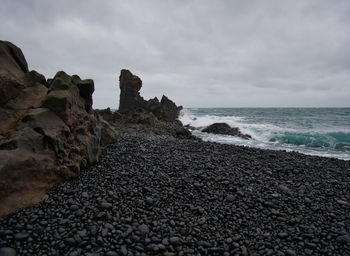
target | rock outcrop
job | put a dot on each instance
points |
(130, 99)
(225, 129)
(48, 131)
(131, 102)
(12, 60)
(19, 89)
(137, 114)
(165, 109)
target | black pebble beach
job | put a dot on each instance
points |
(157, 195)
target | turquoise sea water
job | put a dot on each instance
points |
(315, 131)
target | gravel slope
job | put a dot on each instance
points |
(156, 195)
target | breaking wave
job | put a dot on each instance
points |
(332, 142)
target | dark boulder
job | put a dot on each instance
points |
(225, 129)
(190, 127)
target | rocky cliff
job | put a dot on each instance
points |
(48, 131)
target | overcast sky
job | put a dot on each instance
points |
(203, 53)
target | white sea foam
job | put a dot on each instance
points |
(257, 131)
(268, 145)
(203, 121)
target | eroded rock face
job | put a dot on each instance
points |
(48, 132)
(12, 60)
(19, 89)
(86, 89)
(167, 110)
(27, 170)
(225, 129)
(130, 99)
(108, 132)
(131, 102)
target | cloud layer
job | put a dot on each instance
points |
(199, 53)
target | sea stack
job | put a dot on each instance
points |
(131, 101)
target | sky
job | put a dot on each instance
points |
(200, 53)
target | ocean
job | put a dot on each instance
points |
(313, 131)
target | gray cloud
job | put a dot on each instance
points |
(199, 53)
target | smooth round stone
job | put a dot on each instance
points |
(105, 205)
(111, 253)
(7, 251)
(284, 189)
(144, 229)
(29, 227)
(308, 252)
(155, 248)
(161, 247)
(21, 236)
(342, 202)
(93, 230)
(165, 241)
(244, 250)
(149, 200)
(230, 198)
(343, 239)
(175, 240)
(282, 235)
(7, 232)
(290, 252)
(123, 250)
(70, 241)
(228, 240)
(169, 254)
(74, 207)
(70, 201)
(109, 226)
(82, 233)
(235, 244)
(79, 213)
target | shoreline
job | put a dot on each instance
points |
(158, 195)
(271, 149)
(312, 132)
